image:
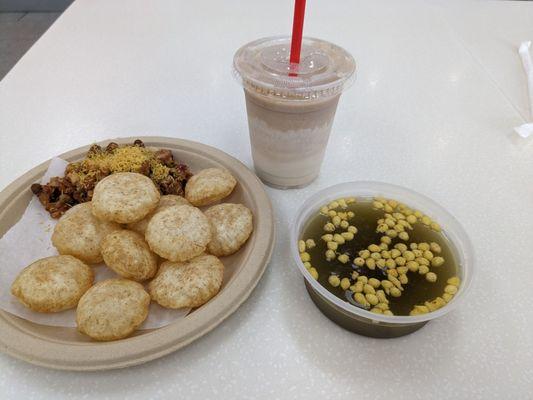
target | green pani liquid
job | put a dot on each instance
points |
(417, 291)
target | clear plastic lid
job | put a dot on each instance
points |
(263, 66)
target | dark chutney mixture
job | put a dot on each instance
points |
(380, 255)
(62, 193)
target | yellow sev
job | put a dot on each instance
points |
(121, 159)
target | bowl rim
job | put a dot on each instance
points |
(451, 228)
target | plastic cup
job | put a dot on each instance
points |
(357, 319)
(290, 117)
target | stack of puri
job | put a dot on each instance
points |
(163, 248)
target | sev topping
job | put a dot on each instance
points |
(121, 159)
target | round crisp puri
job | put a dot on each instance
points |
(231, 226)
(126, 253)
(178, 233)
(209, 186)
(79, 233)
(188, 284)
(112, 309)
(124, 197)
(52, 284)
(166, 201)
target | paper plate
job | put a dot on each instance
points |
(65, 348)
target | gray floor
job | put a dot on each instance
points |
(18, 32)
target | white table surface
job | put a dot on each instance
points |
(439, 89)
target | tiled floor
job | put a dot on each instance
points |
(18, 32)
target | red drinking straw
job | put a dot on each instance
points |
(297, 30)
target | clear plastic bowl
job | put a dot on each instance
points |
(362, 321)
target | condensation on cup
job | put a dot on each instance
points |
(290, 117)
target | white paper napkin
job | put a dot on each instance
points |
(28, 240)
(526, 130)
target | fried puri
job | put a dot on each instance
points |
(126, 253)
(209, 186)
(79, 233)
(178, 233)
(166, 201)
(187, 284)
(112, 309)
(231, 226)
(124, 197)
(53, 284)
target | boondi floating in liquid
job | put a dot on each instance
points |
(380, 255)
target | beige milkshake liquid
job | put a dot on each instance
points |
(290, 115)
(289, 139)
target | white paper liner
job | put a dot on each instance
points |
(29, 240)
